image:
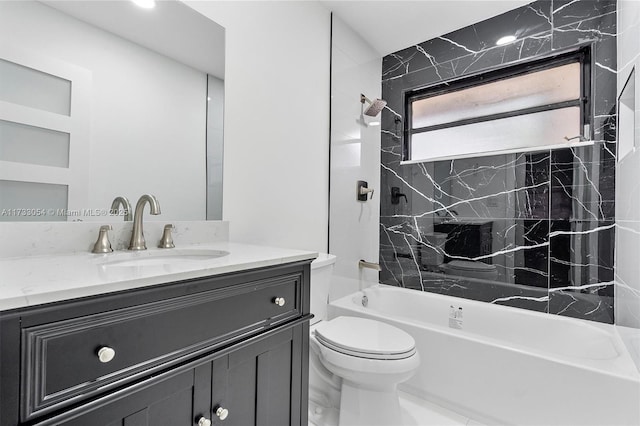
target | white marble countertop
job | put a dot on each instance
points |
(33, 280)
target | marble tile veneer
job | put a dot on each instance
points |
(551, 214)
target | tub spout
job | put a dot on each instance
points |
(370, 265)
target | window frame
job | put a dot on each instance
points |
(582, 55)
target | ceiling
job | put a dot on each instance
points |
(166, 29)
(392, 25)
(387, 25)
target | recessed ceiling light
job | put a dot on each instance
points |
(145, 4)
(505, 40)
(374, 123)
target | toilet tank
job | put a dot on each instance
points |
(321, 272)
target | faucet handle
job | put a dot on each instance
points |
(167, 241)
(103, 245)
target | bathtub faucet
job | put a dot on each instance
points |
(370, 265)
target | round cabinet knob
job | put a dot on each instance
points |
(279, 301)
(203, 421)
(106, 354)
(222, 413)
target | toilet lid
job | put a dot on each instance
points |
(469, 265)
(365, 338)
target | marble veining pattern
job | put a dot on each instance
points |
(21, 239)
(34, 280)
(542, 224)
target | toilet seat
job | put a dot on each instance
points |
(365, 338)
(471, 266)
(471, 269)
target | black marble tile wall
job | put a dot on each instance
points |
(529, 230)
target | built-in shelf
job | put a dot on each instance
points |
(501, 152)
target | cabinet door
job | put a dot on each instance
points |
(180, 399)
(263, 384)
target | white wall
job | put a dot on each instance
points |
(627, 298)
(147, 111)
(276, 124)
(355, 155)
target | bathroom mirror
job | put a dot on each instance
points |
(100, 99)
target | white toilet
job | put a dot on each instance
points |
(471, 269)
(356, 364)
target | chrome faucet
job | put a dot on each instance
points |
(126, 205)
(137, 237)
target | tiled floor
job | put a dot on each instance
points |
(322, 416)
(416, 412)
(419, 412)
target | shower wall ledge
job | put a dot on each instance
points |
(631, 338)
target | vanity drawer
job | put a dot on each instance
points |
(61, 362)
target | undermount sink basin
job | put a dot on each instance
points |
(164, 257)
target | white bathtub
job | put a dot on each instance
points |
(507, 365)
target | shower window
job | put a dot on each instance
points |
(528, 107)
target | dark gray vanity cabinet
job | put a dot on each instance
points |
(235, 345)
